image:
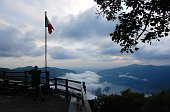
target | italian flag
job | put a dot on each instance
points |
(49, 25)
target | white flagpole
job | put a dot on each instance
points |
(45, 43)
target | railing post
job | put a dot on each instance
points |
(55, 83)
(26, 82)
(66, 81)
(84, 87)
(47, 79)
(4, 75)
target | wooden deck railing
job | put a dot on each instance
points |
(69, 87)
(23, 77)
(85, 103)
(81, 89)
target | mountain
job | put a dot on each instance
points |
(56, 72)
(145, 78)
(53, 71)
(4, 69)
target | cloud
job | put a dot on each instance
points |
(20, 14)
(110, 48)
(86, 25)
(158, 53)
(88, 76)
(132, 77)
(153, 54)
(91, 79)
(78, 38)
(13, 43)
(93, 84)
(62, 53)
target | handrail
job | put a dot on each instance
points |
(25, 76)
(66, 83)
(82, 89)
(86, 106)
(8, 75)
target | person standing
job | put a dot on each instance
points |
(35, 83)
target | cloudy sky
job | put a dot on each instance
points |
(80, 39)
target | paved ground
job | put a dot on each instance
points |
(23, 103)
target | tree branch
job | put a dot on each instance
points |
(148, 18)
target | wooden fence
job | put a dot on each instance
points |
(69, 87)
(22, 77)
(79, 90)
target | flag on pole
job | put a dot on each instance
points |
(49, 25)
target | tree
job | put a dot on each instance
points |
(130, 101)
(139, 21)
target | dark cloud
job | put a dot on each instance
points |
(158, 51)
(13, 43)
(62, 53)
(110, 49)
(153, 54)
(86, 25)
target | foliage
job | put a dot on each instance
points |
(130, 101)
(159, 102)
(139, 21)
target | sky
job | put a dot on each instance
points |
(80, 38)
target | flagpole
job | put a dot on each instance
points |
(45, 43)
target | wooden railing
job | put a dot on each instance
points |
(69, 87)
(81, 89)
(85, 103)
(23, 77)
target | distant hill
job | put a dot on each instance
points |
(4, 69)
(54, 72)
(145, 78)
